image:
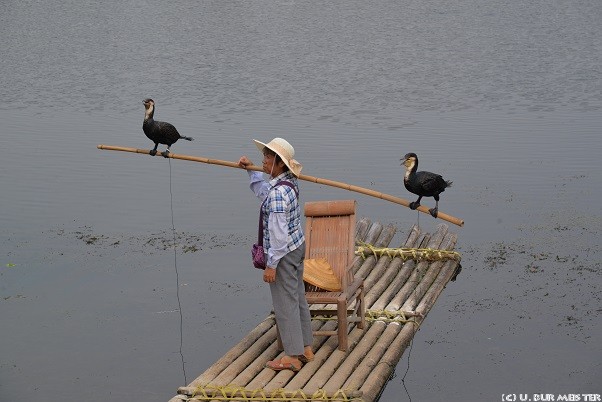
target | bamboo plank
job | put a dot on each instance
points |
(247, 375)
(428, 301)
(361, 228)
(372, 358)
(334, 359)
(381, 373)
(355, 357)
(384, 291)
(430, 275)
(418, 272)
(325, 346)
(265, 343)
(233, 353)
(374, 232)
(385, 296)
(385, 238)
(390, 276)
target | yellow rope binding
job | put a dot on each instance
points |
(210, 392)
(418, 254)
(401, 317)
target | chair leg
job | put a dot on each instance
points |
(342, 324)
(362, 309)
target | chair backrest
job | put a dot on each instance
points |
(330, 234)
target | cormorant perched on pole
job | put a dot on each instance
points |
(159, 132)
(423, 184)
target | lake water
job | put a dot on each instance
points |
(502, 98)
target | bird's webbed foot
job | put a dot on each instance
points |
(165, 153)
(152, 152)
(414, 205)
(433, 212)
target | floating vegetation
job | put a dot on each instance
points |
(187, 242)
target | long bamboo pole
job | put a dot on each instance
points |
(313, 179)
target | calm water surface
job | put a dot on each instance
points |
(504, 99)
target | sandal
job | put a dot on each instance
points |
(277, 365)
(304, 359)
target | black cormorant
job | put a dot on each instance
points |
(159, 132)
(423, 184)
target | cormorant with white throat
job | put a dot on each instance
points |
(159, 132)
(423, 184)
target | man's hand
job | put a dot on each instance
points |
(269, 275)
(243, 162)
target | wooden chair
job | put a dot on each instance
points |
(330, 234)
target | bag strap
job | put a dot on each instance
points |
(260, 226)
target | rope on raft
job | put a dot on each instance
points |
(401, 317)
(418, 254)
(231, 393)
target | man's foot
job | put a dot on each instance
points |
(307, 356)
(286, 363)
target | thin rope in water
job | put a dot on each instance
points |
(403, 379)
(175, 260)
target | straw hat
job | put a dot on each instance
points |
(317, 272)
(285, 151)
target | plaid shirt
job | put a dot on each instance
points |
(282, 199)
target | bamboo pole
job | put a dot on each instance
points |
(333, 359)
(373, 356)
(313, 179)
(353, 361)
(384, 291)
(380, 374)
(437, 287)
(330, 345)
(429, 277)
(212, 372)
(416, 276)
(248, 357)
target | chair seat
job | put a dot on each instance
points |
(322, 297)
(332, 297)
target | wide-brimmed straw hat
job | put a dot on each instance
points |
(318, 272)
(285, 151)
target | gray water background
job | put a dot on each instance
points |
(503, 98)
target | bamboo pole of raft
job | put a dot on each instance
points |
(379, 375)
(313, 179)
(393, 277)
(367, 354)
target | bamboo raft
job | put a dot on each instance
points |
(400, 288)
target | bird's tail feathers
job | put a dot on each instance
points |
(187, 138)
(449, 183)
